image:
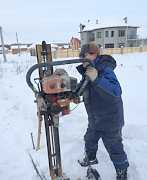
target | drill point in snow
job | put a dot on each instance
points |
(2, 42)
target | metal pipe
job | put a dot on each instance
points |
(55, 63)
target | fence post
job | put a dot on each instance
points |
(101, 50)
(121, 49)
(67, 52)
(141, 48)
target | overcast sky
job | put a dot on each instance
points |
(58, 21)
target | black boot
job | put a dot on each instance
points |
(121, 174)
(88, 161)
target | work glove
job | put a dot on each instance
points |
(92, 73)
(86, 63)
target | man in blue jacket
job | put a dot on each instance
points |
(103, 103)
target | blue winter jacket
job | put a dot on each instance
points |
(102, 98)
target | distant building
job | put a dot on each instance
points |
(17, 48)
(74, 43)
(61, 45)
(111, 37)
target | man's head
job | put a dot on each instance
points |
(89, 51)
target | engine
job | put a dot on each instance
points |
(58, 82)
(59, 88)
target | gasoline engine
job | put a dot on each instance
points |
(59, 91)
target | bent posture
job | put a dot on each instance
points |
(104, 106)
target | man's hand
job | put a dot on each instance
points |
(92, 73)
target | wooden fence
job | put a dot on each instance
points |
(123, 50)
(65, 53)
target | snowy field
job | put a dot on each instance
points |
(18, 119)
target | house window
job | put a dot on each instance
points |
(98, 35)
(112, 33)
(121, 45)
(91, 37)
(106, 33)
(109, 45)
(121, 33)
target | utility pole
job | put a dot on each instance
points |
(18, 43)
(2, 42)
(126, 22)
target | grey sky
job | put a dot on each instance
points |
(58, 21)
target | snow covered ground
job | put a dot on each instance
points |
(18, 119)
